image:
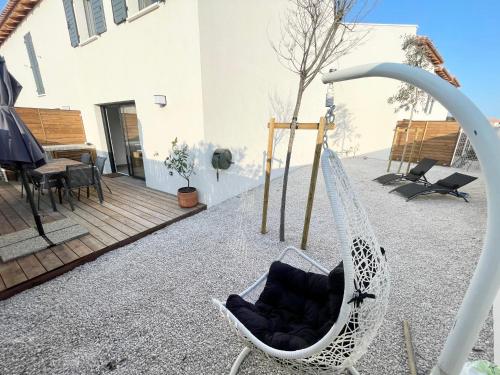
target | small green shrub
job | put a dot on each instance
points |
(180, 161)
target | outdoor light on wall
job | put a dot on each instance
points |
(161, 100)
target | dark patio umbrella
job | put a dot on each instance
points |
(18, 147)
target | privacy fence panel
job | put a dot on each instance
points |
(426, 139)
(54, 126)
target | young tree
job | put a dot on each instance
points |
(180, 160)
(409, 97)
(314, 34)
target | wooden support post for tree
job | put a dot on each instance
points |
(272, 126)
(312, 184)
(415, 137)
(394, 144)
(422, 141)
(269, 160)
(406, 138)
(392, 149)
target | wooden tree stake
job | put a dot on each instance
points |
(415, 137)
(422, 141)
(272, 125)
(392, 148)
(312, 184)
(269, 160)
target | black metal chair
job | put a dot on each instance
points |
(81, 176)
(448, 185)
(41, 183)
(86, 158)
(416, 174)
(99, 163)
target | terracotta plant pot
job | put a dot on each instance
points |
(187, 197)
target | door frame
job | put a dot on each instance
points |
(109, 142)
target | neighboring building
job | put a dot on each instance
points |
(495, 122)
(213, 62)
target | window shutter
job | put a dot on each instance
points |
(98, 13)
(34, 64)
(119, 10)
(71, 22)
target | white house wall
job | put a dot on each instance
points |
(155, 54)
(242, 80)
(214, 62)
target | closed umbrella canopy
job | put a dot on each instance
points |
(18, 147)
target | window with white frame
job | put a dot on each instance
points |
(86, 18)
(89, 18)
(145, 3)
(135, 6)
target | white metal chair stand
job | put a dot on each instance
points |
(485, 282)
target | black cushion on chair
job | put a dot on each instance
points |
(295, 309)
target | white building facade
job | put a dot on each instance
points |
(213, 62)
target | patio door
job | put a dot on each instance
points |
(124, 141)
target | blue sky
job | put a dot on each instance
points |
(466, 33)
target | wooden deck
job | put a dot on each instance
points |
(132, 211)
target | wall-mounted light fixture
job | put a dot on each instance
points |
(161, 100)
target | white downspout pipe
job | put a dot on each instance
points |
(485, 282)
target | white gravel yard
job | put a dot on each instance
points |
(145, 308)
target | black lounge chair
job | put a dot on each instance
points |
(416, 174)
(448, 185)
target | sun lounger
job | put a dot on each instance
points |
(416, 174)
(448, 185)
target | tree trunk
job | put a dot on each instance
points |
(300, 92)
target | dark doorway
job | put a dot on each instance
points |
(124, 143)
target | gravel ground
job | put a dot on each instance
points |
(145, 308)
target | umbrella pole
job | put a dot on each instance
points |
(38, 221)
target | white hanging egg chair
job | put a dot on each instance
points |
(366, 292)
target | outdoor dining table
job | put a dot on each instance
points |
(54, 169)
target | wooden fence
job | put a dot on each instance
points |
(54, 126)
(426, 139)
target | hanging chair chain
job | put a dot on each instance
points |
(330, 118)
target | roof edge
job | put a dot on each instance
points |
(14, 13)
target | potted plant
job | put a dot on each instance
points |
(179, 160)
